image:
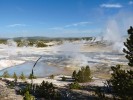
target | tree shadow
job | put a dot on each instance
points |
(67, 79)
(86, 93)
(73, 94)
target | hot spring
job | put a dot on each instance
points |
(54, 59)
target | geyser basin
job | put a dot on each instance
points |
(40, 70)
(61, 60)
(57, 59)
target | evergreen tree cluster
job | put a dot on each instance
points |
(22, 76)
(121, 83)
(83, 75)
(45, 90)
(129, 47)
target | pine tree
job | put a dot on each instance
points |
(31, 76)
(83, 75)
(22, 76)
(121, 83)
(15, 77)
(87, 74)
(80, 76)
(6, 74)
(74, 74)
(129, 47)
(47, 90)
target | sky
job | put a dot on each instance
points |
(63, 18)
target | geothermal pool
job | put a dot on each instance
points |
(40, 70)
(54, 59)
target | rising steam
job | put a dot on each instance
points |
(116, 29)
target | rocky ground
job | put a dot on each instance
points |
(86, 93)
(7, 93)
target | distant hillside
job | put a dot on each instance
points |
(51, 38)
(30, 38)
(38, 41)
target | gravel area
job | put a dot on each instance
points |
(7, 93)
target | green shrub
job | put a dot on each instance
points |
(121, 83)
(44, 90)
(15, 77)
(74, 75)
(41, 44)
(30, 44)
(83, 75)
(11, 85)
(47, 90)
(51, 76)
(32, 76)
(27, 87)
(63, 78)
(74, 85)
(22, 77)
(28, 96)
(6, 74)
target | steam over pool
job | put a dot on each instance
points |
(56, 58)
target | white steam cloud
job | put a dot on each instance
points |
(116, 29)
(112, 31)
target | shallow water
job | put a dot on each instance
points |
(40, 70)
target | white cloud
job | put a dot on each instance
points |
(16, 25)
(78, 24)
(130, 3)
(111, 5)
